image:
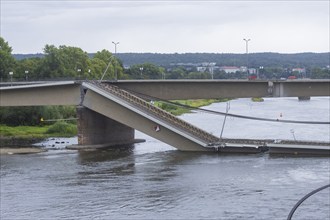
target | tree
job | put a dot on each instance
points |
(104, 55)
(146, 71)
(318, 73)
(103, 59)
(7, 61)
(15, 116)
(96, 67)
(177, 73)
(28, 69)
(198, 75)
(64, 62)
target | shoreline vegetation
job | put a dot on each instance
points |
(19, 139)
(26, 136)
(196, 103)
(257, 99)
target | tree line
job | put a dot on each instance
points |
(66, 62)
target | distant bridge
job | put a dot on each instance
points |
(108, 112)
(212, 89)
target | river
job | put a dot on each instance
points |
(152, 180)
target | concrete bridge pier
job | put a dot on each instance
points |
(97, 130)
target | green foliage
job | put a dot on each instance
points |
(64, 62)
(199, 75)
(62, 128)
(318, 73)
(257, 99)
(146, 71)
(59, 129)
(171, 108)
(7, 61)
(103, 55)
(67, 62)
(15, 116)
(28, 69)
(177, 73)
(196, 103)
(22, 131)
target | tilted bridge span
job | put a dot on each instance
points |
(108, 112)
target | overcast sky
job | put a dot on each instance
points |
(167, 26)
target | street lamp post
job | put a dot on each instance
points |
(115, 43)
(79, 71)
(26, 75)
(260, 71)
(247, 55)
(11, 77)
(141, 70)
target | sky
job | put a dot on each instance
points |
(171, 26)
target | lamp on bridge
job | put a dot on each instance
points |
(115, 43)
(11, 77)
(247, 55)
(26, 75)
(141, 70)
(79, 71)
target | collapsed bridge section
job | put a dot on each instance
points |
(134, 112)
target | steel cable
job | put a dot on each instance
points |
(228, 114)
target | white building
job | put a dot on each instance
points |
(233, 69)
(299, 70)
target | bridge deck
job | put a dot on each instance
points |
(158, 116)
(159, 113)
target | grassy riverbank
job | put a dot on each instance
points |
(28, 135)
(178, 110)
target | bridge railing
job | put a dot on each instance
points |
(157, 112)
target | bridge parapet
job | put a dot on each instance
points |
(159, 113)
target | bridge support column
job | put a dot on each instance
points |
(304, 98)
(97, 129)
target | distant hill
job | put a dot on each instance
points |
(26, 56)
(306, 60)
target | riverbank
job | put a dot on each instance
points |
(20, 145)
(21, 139)
(21, 150)
(179, 107)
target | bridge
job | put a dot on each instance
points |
(213, 89)
(108, 112)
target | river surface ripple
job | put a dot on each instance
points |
(152, 180)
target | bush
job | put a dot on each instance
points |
(15, 116)
(257, 99)
(62, 128)
(30, 115)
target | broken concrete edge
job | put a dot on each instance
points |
(104, 146)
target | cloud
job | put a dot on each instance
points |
(167, 26)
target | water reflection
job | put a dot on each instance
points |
(92, 156)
